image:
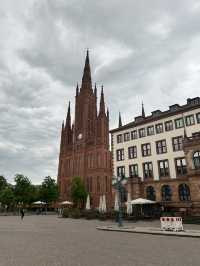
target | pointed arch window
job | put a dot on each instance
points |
(150, 193)
(184, 192)
(196, 159)
(166, 193)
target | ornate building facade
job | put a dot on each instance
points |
(84, 146)
(160, 154)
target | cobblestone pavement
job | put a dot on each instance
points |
(48, 240)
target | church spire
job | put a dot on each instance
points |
(120, 120)
(77, 89)
(95, 89)
(68, 119)
(102, 103)
(86, 79)
(143, 112)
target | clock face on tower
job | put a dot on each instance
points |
(80, 136)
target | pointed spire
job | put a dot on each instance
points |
(120, 120)
(102, 103)
(107, 113)
(77, 90)
(95, 89)
(68, 119)
(86, 79)
(143, 112)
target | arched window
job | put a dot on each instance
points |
(184, 192)
(166, 193)
(150, 193)
(196, 159)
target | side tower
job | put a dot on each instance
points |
(84, 147)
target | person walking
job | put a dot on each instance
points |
(22, 213)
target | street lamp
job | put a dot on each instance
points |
(118, 183)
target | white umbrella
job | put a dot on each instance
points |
(66, 202)
(116, 206)
(141, 201)
(104, 208)
(129, 208)
(88, 203)
(39, 203)
(100, 204)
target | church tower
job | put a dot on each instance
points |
(84, 146)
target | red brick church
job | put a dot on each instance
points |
(84, 147)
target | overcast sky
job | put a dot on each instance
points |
(140, 50)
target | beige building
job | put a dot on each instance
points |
(150, 151)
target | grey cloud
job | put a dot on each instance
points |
(138, 49)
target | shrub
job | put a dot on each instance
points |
(66, 213)
(75, 213)
(88, 214)
(102, 216)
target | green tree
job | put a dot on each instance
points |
(78, 191)
(3, 182)
(49, 190)
(7, 196)
(23, 189)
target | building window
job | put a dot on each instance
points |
(150, 193)
(168, 125)
(196, 159)
(134, 134)
(98, 184)
(179, 123)
(119, 138)
(148, 170)
(184, 192)
(177, 143)
(189, 120)
(126, 136)
(198, 117)
(159, 128)
(120, 154)
(106, 183)
(166, 193)
(121, 171)
(161, 146)
(150, 130)
(133, 170)
(146, 149)
(163, 167)
(132, 152)
(181, 167)
(142, 132)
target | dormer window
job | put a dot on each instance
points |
(196, 159)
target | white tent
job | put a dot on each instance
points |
(129, 208)
(104, 208)
(141, 201)
(87, 207)
(116, 206)
(100, 204)
(66, 202)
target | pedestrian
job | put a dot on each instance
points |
(22, 213)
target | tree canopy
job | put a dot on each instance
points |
(23, 189)
(7, 196)
(78, 191)
(49, 190)
(3, 182)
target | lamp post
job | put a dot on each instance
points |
(118, 183)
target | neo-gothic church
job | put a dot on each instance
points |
(84, 146)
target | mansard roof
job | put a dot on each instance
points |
(192, 103)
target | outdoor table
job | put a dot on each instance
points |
(171, 223)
